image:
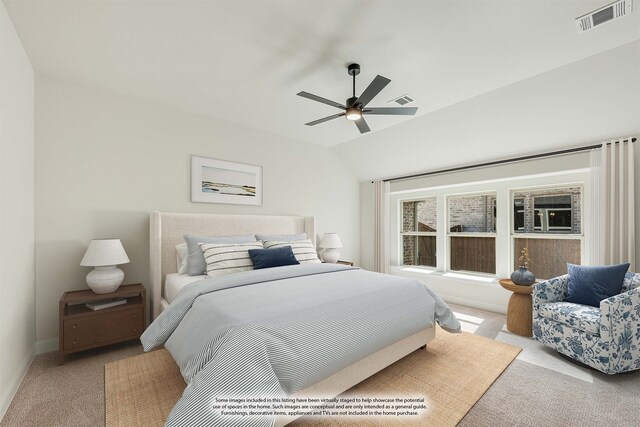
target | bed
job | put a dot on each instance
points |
(167, 230)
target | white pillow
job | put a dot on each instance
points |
(227, 258)
(181, 258)
(303, 250)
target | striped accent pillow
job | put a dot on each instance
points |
(227, 258)
(303, 250)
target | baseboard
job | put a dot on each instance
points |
(46, 346)
(8, 390)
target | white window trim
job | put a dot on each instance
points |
(503, 188)
(449, 234)
(555, 236)
(417, 233)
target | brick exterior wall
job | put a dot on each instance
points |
(427, 213)
(473, 213)
(408, 224)
(408, 216)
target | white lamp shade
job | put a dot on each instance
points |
(330, 241)
(103, 252)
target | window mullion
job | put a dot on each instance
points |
(442, 256)
(503, 244)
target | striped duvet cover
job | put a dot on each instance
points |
(276, 331)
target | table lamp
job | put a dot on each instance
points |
(330, 243)
(105, 255)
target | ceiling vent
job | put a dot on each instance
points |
(402, 100)
(606, 13)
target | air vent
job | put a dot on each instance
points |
(607, 13)
(402, 100)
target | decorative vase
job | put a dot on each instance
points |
(522, 276)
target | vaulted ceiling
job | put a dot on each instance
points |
(244, 61)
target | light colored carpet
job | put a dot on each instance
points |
(543, 389)
(538, 388)
(528, 395)
(452, 374)
(65, 395)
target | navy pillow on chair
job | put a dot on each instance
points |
(267, 258)
(590, 285)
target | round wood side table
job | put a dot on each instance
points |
(520, 309)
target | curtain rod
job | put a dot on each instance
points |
(500, 162)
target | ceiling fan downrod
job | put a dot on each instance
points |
(353, 70)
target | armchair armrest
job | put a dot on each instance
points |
(552, 290)
(620, 328)
(629, 299)
(621, 308)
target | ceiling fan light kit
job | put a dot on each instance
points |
(353, 114)
(354, 108)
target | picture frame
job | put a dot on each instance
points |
(221, 181)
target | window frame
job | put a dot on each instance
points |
(504, 188)
(473, 234)
(417, 233)
(540, 234)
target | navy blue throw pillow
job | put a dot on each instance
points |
(267, 258)
(590, 285)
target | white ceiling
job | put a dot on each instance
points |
(244, 61)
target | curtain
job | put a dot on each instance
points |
(381, 223)
(612, 204)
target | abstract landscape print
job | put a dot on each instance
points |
(221, 181)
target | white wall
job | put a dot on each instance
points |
(105, 161)
(17, 281)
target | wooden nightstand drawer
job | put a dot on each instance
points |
(82, 328)
(102, 328)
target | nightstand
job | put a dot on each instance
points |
(520, 308)
(82, 328)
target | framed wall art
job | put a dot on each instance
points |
(220, 181)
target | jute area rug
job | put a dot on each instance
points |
(451, 374)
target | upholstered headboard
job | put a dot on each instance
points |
(167, 230)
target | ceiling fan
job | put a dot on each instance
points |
(354, 108)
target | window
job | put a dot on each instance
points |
(479, 228)
(548, 222)
(472, 227)
(419, 222)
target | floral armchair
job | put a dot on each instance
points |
(605, 338)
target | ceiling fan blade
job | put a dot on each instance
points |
(398, 111)
(373, 89)
(326, 119)
(321, 99)
(363, 127)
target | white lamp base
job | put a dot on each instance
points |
(331, 255)
(104, 280)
